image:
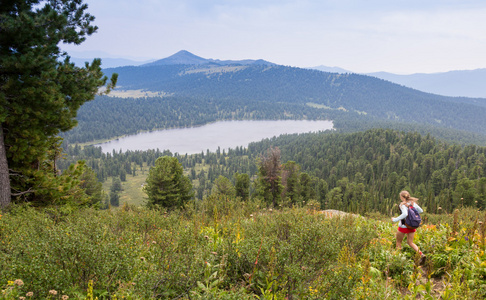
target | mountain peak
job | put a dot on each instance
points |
(182, 57)
(185, 57)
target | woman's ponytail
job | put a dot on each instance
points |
(405, 197)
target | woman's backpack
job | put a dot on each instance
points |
(413, 220)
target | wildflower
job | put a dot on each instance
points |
(53, 292)
(19, 282)
(65, 297)
(30, 294)
(251, 215)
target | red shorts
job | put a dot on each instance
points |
(405, 230)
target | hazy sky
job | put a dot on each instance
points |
(399, 36)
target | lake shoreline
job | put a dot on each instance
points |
(224, 134)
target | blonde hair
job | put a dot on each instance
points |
(405, 197)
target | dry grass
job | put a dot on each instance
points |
(136, 94)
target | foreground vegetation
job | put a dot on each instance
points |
(222, 248)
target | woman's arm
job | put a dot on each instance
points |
(404, 214)
(418, 208)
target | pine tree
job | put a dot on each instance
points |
(223, 186)
(40, 89)
(166, 184)
(291, 182)
(242, 186)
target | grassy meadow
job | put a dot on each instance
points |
(132, 193)
(222, 248)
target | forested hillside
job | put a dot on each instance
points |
(356, 172)
(280, 84)
(200, 94)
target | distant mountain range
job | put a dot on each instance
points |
(242, 82)
(466, 83)
(469, 83)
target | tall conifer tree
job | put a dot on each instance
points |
(167, 186)
(40, 89)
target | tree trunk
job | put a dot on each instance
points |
(4, 175)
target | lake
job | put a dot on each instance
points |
(223, 134)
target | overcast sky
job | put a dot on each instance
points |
(398, 36)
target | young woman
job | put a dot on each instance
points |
(407, 201)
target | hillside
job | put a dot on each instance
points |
(351, 93)
(458, 83)
(235, 250)
(292, 247)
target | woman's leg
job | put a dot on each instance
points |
(400, 236)
(410, 241)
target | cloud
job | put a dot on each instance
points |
(354, 34)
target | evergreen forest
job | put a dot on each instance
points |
(354, 172)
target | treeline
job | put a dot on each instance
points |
(355, 172)
(109, 117)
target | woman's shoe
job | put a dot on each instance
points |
(423, 258)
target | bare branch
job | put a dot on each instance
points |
(30, 190)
